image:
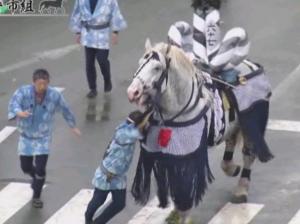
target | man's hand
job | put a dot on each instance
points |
(76, 131)
(109, 176)
(24, 114)
(114, 38)
(77, 38)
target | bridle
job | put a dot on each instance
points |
(165, 73)
(157, 85)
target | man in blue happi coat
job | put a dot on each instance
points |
(34, 106)
(92, 21)
(111, 175)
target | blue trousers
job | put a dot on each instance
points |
(102, 57)
(118, 204)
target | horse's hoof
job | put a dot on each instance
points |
(173, 218)
(240, 194)
(189, 221)
(230, 169)
(238, 199)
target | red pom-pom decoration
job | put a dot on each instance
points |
(164, 137)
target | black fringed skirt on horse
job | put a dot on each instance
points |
(178, 160)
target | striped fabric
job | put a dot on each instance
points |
(220, 55)
(206, 36)
(181, 137)
(181, 34)
(233, 50)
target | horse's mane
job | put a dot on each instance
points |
(179, 60)
(182, 65)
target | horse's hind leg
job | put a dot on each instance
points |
(227, 164)
(240, 194)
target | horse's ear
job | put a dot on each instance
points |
(148, 44)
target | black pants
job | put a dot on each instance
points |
(118, 203)
(102, 57)
(35, 166)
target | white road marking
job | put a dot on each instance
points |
(151, 214)
(284, 85)
(49, 54)
(59, 89)
(236, 213)
(5, 132)
(73, 211)
(284, 125)
(12, 198)
(19, 65)
(57, 52)
(295, 219)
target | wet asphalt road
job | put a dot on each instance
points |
(274, 32)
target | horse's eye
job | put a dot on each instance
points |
(146, 56)
(157, 68)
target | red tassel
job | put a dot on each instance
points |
(164, 136)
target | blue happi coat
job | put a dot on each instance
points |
(117, 158)
(106, 11)
(35, 130)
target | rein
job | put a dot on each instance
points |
(154, 102)
(165, 74)
(158, 85)
(158, 109)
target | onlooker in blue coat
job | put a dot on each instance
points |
(92, 21)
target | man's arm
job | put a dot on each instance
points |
(68, 115)
(75, 19)
(118, 22)
(66, 112)
(14, 106)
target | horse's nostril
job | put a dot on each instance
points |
(136, 93)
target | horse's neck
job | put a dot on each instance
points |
(179, 94)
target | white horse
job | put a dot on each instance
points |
(177, 139)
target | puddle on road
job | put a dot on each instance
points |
(98, 111)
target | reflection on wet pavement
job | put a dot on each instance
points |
(98, 109)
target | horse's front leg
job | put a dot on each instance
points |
(229, 167)
(179, 217)
(240, 194)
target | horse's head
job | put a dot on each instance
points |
(151, 76)
(168, 80)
